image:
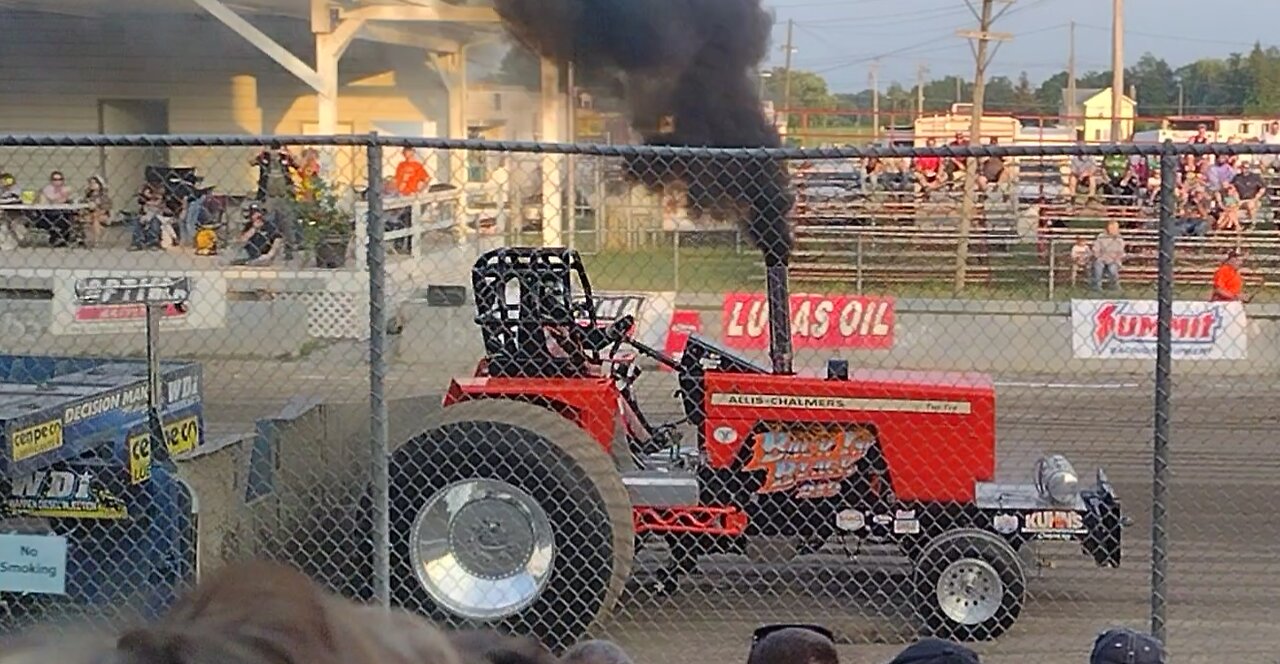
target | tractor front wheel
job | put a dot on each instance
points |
(505, 514)
(969, 585)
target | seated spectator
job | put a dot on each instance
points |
(793, 644)
(56, 192)
(1228, 209)
(993, 173)
(936, 651)
(1219, 174)
(1108, 256)
(872, 168)
(1251, 188)
(10, 192)
(595, 652)
(149, 229)
(1121, 181)
(956, 165)
(1192, 212)
(99, 212)
(928, 171)
(260, 240)
(1083, 175)
(1125, 646)
(1081, 257)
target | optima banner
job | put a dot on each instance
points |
(1126, 329)
(109, 301)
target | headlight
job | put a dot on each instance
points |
(1056, 479)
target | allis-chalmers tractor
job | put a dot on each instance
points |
(525, 502)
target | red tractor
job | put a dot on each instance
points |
(525, 502)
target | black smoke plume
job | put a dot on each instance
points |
(688, 68)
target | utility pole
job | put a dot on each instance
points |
(875, 99)
(786, 82)
(1071, 82)
(959, 88)
(921, 70)
(983, 36)
(1117, 68)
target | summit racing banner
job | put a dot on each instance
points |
(1127, 329)
(817, 321)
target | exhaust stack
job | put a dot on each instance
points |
(779, 298)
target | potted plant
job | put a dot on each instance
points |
(326, 226)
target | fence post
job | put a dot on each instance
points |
(1164, 385)
(1053, 267)
(378, 444)
(858, 258)
(675, 256)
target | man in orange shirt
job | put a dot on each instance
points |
(1228, 284)
(411, 175)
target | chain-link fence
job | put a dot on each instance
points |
(553, 388)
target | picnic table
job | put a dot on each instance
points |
(58, 219)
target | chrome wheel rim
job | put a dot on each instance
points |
(482, 549)
(970, 591)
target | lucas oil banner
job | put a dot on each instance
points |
(817, 321)
(1126, 329)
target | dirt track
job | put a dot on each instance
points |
(1225, 489)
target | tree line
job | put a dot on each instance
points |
(1239, 84)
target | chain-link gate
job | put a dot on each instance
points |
(451, 376)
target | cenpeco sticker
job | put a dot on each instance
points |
(183, 435)
(35, 440)
(139, 458)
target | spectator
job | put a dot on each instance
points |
(1081, 255)
(1108, 256)
(260, 240)
(993, 172)
(277, 192)
(10, 192)
(56, 192)
(1083, 174)
(872, 168)
(99, 212)
(1271, 136)
(928, 171)
(1219, 174)
(1228, 283)
(1193, 211)
(793, 644)
(956, 165)
(1229, 209)
(1121, 181)
(595, 652)
(1201, 136)
(153, 218)
(411, 175)
(936, 651)
(1125, 646)
(309, 174)
(1251, 188)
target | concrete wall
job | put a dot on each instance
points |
(253, 330)
(952, 335)
(314, 460)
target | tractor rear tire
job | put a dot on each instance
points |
(970, 585)
(521, 510)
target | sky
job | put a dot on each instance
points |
(841, 38)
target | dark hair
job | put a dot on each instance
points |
(595, 652)
(802, 644)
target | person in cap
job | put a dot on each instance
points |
(1228, 284)
(936, 651)
(1125, 646)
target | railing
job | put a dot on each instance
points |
(907, 255)
(444, 209)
